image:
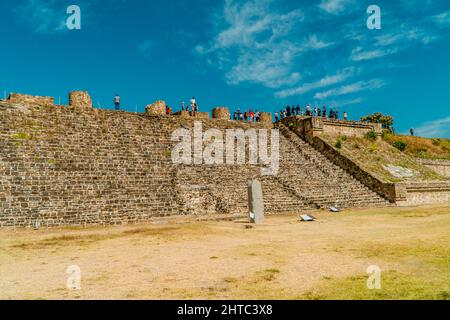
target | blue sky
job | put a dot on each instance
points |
(249, 54)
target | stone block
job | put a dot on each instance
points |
(80, 100)
(221, 113)
(265, 117)
(157, 108)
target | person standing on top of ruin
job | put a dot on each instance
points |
(252, 116)
(298, 110)
(183, 106)
(345, 116)
(288, 111)
(308, 110)
(194, 107)
(319, 112)
(117, 102)
(276, 117)
(324, 112)
(411, 131)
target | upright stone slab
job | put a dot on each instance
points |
(255, 202)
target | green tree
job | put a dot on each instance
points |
(386, 120)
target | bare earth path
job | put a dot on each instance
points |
(282, 259)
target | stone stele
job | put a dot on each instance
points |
(255, 202)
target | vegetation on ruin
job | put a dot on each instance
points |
(374, 155)
(421, 147)
(386, 120)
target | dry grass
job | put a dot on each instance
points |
(372, 156)
(282, 259)
(422, 147)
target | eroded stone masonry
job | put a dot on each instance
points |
(76, 165)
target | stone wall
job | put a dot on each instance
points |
(416, 194)
(440, 166)
(309, 127)
(59, 166)
(28, 99)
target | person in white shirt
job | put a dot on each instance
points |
(117, 102)
(193, 104)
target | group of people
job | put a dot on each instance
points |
(193, 107)
(308, 111)
(246, 116)
(250, 116)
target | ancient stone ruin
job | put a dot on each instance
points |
(73, 165)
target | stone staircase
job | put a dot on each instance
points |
(317, 179)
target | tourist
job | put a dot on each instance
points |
(308, 110)
(345, 116)
(288, 111)
(324, 112)
(183, 106)
(411, 131)
(276, 117)
(194, 107)
(117, 102)
(331, 116)
(319, 112)
(257, 115)
(168, 110)
(246, 115)
(252, 116)
(235, 116)
(299, 110)
(336, 114)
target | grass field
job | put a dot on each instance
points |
(282, 259)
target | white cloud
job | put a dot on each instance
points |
(43, 16)
(358, 54)
(256, 44)
(324, 82)
(443, 18)
(335, 6)
(351, 88)
(436, 129)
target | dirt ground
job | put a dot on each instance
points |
(282, 259)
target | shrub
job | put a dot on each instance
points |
(373, 148)
(371, 135)
(385, 135)
(400, 145)
(338, 144)
(436, 142)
